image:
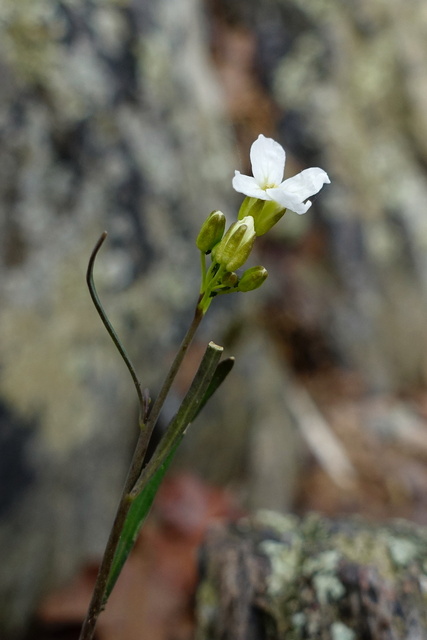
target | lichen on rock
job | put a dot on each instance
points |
(337, 580)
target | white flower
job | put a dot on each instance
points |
(268, 164)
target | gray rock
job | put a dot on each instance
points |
(274, 576)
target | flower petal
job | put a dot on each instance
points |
(291, 201)
(306, 183)
(268, 161)
(294, 191)
(248, 186)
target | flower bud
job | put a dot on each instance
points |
(211, 232)
(266, 213)
(229, 279)
(235, 247)
(252, 278)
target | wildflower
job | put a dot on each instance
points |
(267, 185)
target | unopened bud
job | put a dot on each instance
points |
(229, 279)
(211, 232)
(252, 278)
(235, 247)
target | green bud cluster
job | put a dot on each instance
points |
(229, 251)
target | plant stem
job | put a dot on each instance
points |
(106, 322)
(97, 602)
(204, 384)
(184, 417)
(212, 279)
(147, 428)
(203, 269)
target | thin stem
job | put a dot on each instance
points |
(147, 428)
(185, 415)
(203, 268)
(212, 280)
(97, 602)
(96, 605)
(206, 380)
(107, 324)
(157, 406)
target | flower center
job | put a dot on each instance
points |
(268, 185)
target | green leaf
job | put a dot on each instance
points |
(207, 379)
(138, 512)
(221, 372)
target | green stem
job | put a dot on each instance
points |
(96, 605)
(187, 411)
(212, 280)
(203, 268)
(209, 376)
(97, 602)
(107, 324)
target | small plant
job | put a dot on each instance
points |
(267, 199)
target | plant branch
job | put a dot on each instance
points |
(107, 324)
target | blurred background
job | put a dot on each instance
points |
(131, 116)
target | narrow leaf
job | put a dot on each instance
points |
(138, 512)
(221, 372)
(145, 489)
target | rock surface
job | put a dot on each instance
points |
(275, 577)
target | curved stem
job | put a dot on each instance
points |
(107, 324)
